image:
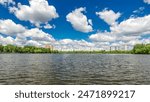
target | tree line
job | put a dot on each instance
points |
(141, 49)
(25, 49)
(137, 49)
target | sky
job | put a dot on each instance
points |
(75, 24)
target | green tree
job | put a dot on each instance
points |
(1, 48)
(141, 49)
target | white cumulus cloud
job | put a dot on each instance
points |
(39, 12)
(7, 2)
(6, 40)
(48, 26)
(109, 16)
(102, 37)
(38, 35)
(21, 36)
(133, 26)
(33, 43)
(128, 32)
(79, 21)
(139, 10)
(147, 1)
(8, 27)
(69, 44)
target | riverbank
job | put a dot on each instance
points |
(137, 49)
(96, 52)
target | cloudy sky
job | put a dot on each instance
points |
(75, 24)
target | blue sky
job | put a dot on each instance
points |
(72, 24)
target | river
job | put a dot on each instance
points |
(74, 69)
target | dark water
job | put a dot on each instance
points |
(74, 69)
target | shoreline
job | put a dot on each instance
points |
(137, 49)
(80, 53)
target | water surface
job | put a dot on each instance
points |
(66, 69)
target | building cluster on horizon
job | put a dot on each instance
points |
(106, 48)
(125, 48)
(49, 47)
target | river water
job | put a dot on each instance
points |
(74, 69)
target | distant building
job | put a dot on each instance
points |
(125, 47)
(49, 47)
